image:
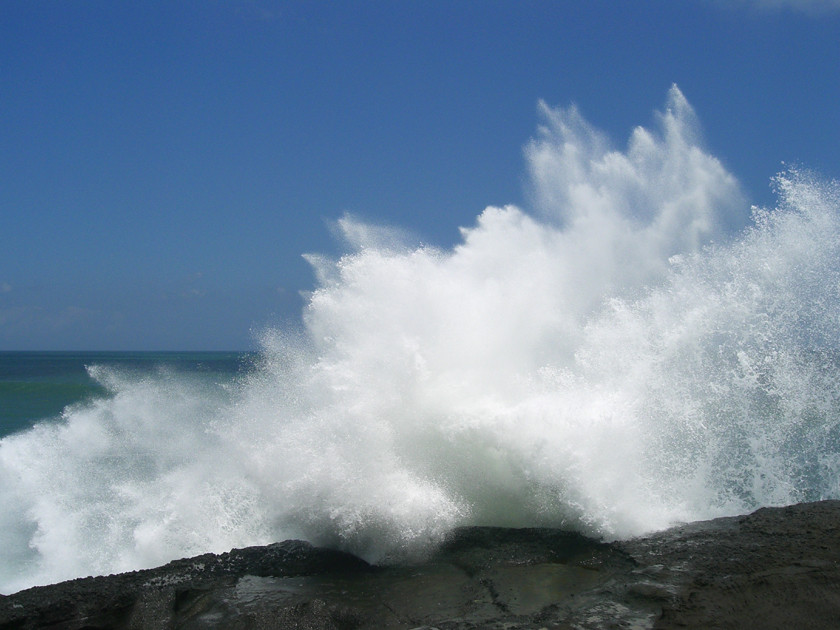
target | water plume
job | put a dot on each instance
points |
(639, 349)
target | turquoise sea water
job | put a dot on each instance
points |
(37, 386)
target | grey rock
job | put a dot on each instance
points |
(775, 568)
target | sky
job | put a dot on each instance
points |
(164, 166)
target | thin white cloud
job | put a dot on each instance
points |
(260, 11)
(5, 287)
(37, 317)
(811, 7)
(70, 318)
(193, 292)
(12, 316)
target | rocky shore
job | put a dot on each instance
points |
(775, 568)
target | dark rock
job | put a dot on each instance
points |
(776, 568)
(158, 598)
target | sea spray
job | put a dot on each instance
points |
(638, 349)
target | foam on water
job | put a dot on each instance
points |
(639, 349)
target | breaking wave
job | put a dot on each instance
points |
(640, 348)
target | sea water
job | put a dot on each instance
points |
(36, 386)
(638, 348)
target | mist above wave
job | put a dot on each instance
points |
(640, 348)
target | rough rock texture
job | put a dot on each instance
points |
(776, 568)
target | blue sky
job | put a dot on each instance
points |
(164, 165)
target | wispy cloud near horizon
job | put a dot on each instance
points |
(808, 7)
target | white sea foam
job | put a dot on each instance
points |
(637, 350)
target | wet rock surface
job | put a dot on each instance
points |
(775, 568)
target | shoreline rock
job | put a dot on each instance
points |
(774, 568)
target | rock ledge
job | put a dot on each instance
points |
(775, 568)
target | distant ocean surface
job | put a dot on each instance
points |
(39, 386)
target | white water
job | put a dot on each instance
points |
(640, 349)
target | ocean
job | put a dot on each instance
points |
(39, 386)
(637, 349)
